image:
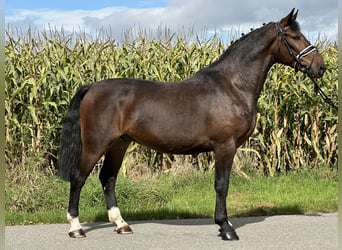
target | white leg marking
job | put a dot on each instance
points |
(230, 224)
(114, 216)
(74, 223)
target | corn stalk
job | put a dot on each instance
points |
(295, 128)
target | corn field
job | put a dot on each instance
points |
(295, 128)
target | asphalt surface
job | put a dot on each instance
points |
(275, 232)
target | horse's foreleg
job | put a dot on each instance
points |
(223, 165)
(108, 176)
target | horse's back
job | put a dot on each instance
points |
(170, 117)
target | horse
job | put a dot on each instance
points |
(212, 111)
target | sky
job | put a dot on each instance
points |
(318, 19)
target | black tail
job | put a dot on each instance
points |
(70, 149)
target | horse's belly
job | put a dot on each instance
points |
(173, 141)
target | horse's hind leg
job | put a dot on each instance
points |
(88, 161)
(108, 176)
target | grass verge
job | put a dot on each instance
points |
(166, 196)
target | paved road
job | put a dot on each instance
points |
(275, 232)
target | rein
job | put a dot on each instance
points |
(323, 95)
(311, 48)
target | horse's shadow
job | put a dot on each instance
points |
(239, 221)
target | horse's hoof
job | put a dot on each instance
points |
(77, 234)
(229, 235)
(124, 230)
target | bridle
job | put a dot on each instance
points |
(297, 58)
(297, 65)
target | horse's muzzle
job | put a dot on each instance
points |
(318, 72)
(321, 70)
(314, 71)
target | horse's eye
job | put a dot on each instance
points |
(297, 38)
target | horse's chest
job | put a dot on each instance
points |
(247, 128)
(237, 124)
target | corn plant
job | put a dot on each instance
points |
(295, 128)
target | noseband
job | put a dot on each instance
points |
(291, 50)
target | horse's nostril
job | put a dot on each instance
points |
(323, 68)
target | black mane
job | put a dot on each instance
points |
(236, 47)
(254, 35)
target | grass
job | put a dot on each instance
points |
(165, 196)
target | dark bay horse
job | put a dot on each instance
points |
(215, 110)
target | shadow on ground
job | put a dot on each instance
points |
(167, 217)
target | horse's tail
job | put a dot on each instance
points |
(70, 149)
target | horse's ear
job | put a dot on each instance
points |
(290, 17)
(294, 16)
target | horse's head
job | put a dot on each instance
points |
(295, 50)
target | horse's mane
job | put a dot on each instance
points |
(234, 47)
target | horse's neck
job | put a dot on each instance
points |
(246, 64)
(253, 72)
